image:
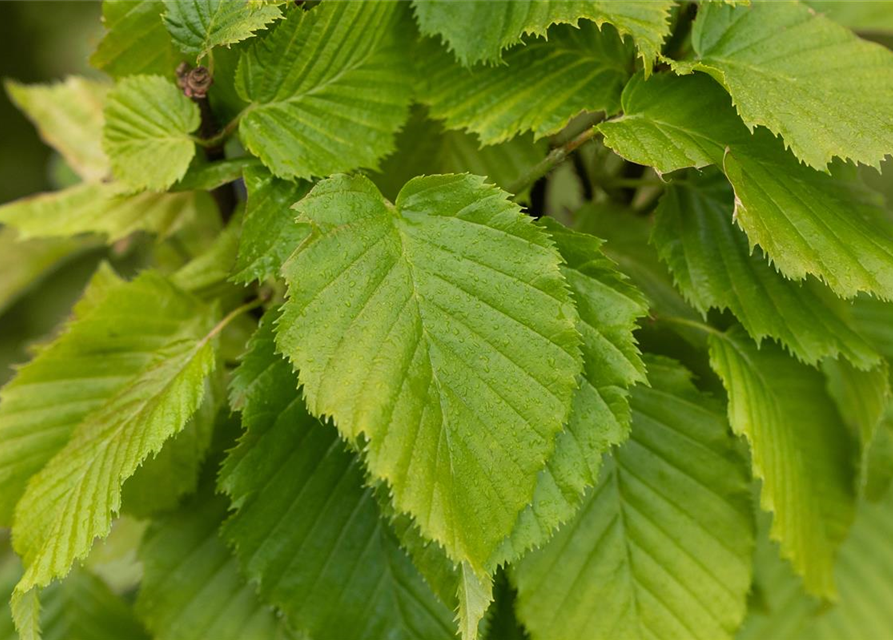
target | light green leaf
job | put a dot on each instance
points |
(441, 330)
(807, 222)
(135, 40)
(541, 86)
(328, 88)
(861, 15)
(662, 546)
(315, 545)
(146, 134)
(800, 449)
(207, 176)
(192, 587)
(801, 75)
(269, 233)
(477, 31)
(715, 268)
(197, 26)
(127, 377)
(104, 208)
(206, 275)
(68, 117)
(475, 595)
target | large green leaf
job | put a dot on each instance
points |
(315, 543)
(800, 449)
(135, 40)
(541, 86)
(197, 26)
(124, 379)
(714, 267)
(801, 75)
(68, 116)
(440, 329)
(861, 15)
(662, 546)
(477, 31)
(805, 221)
(328, 88)
(146, 134)
(192, 587)
(269, 233)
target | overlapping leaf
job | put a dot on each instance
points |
(328, 88)
(441, 329)
(801, 75)
(662, 545)
(477, 31)
(542, 85)
(135, 40)
(800, 449)
(316, 544)
(715, 268)
(806, 222)
(197, 26)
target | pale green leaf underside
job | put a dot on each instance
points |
(800, 449)
(328, 88)
(162, 336)
(541, 86)
(801, 75)
(442, 330)
(715, 268)
(197, 26)
(148, 122)
(476, 31)
(192, 587)
(662, 545)
(315, 542)
(68, 117)
(135, 40)
(104, 208)
(269, 232)
(807, 222)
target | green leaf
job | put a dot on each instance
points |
(135, 40)
(105, 208)
(328, 88)
(269, 233)
(804, 77)
(192, 587)
(68, 117)
(477, 31)
(197, 26)
(860, 15)
(118, 410)
(208, 273)
(146, 135)
(662, 546)
(715, 268)
(800, 449)
(583, 68)
(807, 222)
(442, 331)
(315, 545)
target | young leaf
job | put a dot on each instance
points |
(68, 116)
(441, 330)
(146, 135)
(135, 41)
(72, 499)
(316, 544)
(804, 77)
(192, 587)
(662, 546)
(807, 222)
(476, 31)
(714, 267)
(328, 88)
(800, 449)
(269, 233)
(197, 26)
(584, 69)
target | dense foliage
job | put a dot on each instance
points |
(543, 318)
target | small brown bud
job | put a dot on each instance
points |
(194, 82)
